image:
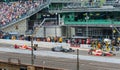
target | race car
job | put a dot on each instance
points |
(61, 49)
(99, 52)
(22, 47)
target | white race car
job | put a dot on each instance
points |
(61, 49)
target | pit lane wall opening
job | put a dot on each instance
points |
(18, 66)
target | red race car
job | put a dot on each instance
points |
(22, 47)
(99, 52)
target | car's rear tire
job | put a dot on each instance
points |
(65, 50)
(90, 52)
(103, 54)
(53, 49)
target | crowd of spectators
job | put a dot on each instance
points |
(13, 11)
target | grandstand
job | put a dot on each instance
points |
(65, 18)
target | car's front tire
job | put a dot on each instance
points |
(53, 49)
(65, 50)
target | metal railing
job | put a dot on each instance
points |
(37, 28)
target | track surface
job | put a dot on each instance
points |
(67, 61)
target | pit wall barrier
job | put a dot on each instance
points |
(18, 66)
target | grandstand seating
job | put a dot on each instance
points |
(16, 10)
(12, 11)
(25, 9)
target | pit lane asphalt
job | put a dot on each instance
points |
(83, 52)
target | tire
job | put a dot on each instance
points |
(103, 54)
(90, 52)
(114, 54)
(53, 49)
(71, 50)
(65, 50)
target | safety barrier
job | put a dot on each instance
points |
(18, 66)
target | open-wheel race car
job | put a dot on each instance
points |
(100, 52)
(61, 49)
(22, 47)
(26, 47)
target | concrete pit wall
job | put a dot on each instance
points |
(17, 66)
